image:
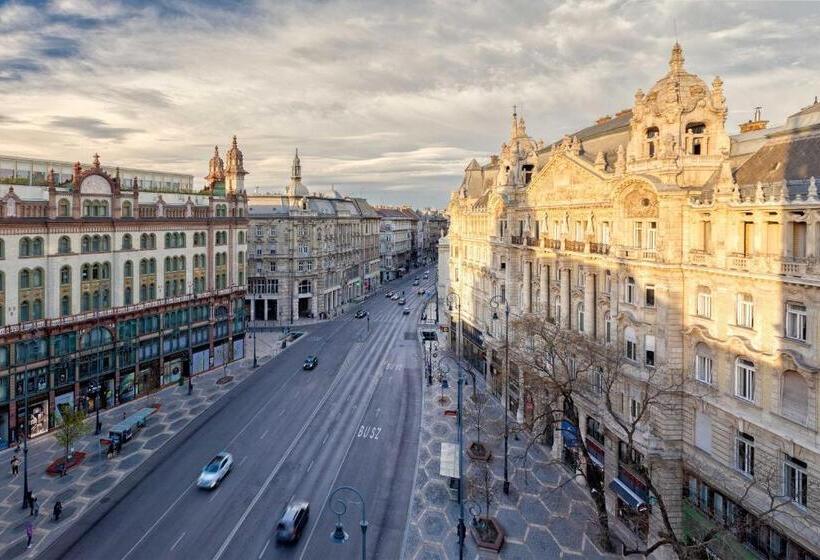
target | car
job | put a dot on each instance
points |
(360, 314)
(310, 362)
(406, 311)
(395, 297)
(389, 294)
(215, 471)
(421, 291)
(293, 522)
(416, 282)
(402, 301)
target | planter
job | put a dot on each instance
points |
(56, 467)
(487, 534)
(479, 452)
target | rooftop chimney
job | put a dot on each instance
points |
(757, 122)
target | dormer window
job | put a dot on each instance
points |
(528, 168)
(696, 138)
(651, 141)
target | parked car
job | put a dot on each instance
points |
(293, 522)
(402, 301)
(215, 471)
(361, 313)
(311, 362)
(416, 282)
(395, 297)
(389, 294)
(421, 291)
(406, 311)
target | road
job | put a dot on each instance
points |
(294, 434)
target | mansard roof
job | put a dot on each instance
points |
(790, 158)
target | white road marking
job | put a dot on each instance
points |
(327, 435)
(264, 548)
(264, 434)
(179, 539)
(213, 495)
(281, 412)
(310, 466)
(243, 460)
(157, 522)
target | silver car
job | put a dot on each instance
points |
(215, 471)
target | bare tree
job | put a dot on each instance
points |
(476, 413)
(565, 367)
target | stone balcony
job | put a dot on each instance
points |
(599, 248)
(548, 243)
(638, 253)
(575, 246)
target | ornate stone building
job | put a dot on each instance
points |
(398, 229)
(691, 250)
(310, 255)
(129, 283)
(434, 224)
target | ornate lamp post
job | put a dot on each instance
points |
(453, 299)
(253, 328)
(191, 297)
(495, 303)
(339, 507)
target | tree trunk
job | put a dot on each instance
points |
(603, 521)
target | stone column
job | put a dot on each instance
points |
(589, 304)
(508, 280)
(566, 300)
(544, 287)
(526, 305)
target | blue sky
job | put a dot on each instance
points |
(388, 100)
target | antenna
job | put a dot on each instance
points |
(758, 113)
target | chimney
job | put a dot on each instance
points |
(602, 120)
(757, 123)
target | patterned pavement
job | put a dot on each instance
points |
(543, 516)
(97, 475)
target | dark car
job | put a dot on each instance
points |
(421, 291)
(360, 314)
(416, 282)
(311, 362)
(406, 311)
(402, 301)
(293, 522)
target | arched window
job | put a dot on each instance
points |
(85, 273)
(37, 278)
(37, 309)
(85, 244)
(64, 208)
(103, 208)
(556, 311)
(95, 300)
(127, 211)
(143, 292)
(794, 397)
(95, 244)
(152, 266)
(168, 241)
(65, 306)
(106, 243)
(25, 311)
(98, 336)
(242, 237)
(580, 316)
(167, 264)
(696, 139)
(2, 249)
(126, 241)
(129, 297)
(106, 271)
(95, 271)
(2, 282)
(153, 238)
(182, 239)
(106, 298)
(144, 241)
(182, 263)
(65, 276)
(128, 269)
(64, 245)
(87, 208)
(651, 141)
(85, 302)
(25, 247)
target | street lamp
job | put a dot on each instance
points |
(253, 327)
(495, 303)
(191, 297)
(339, 507)
(453, 298)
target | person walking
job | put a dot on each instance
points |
(29, 533)
(58, 510)
(15, 465)
(33, 503)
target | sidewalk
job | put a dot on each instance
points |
(541, 516)
(85, 484)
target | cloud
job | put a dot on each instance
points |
(385, 99)
(92, 128)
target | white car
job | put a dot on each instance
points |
(215, 471)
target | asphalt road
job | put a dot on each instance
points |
(294, 434)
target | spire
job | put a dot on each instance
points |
(97, 161)
(216, 168)
(296, 168)
(676, 60)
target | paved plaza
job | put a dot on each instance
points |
(544, 517)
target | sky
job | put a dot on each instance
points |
(384, 99)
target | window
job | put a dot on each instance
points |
(794, 397)
(630, 290)
(706, 236)
(556, 316)
(598, 380)
(607, 282)
(631, 344)
(649, 349)
(609, 327)
(798, 239)
(64, 208)
(649, 296)
(696, 138)
(795, 480)
(580, 309)
(703, 368)
(64, 245)
(637, 234)
(745, 311)
(745, 379)
(651, 141)
(745, 453)
(796, 321)
(703, 306)
(126, 241)
(304, 287)
(127, 211)
(65, 306)
(605, 233)
(65, 276)
(634, 409)
(651, 235)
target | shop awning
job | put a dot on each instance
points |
(569, 431)
(627, 495)
(448, 463)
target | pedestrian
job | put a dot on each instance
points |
(58, 509)
(29, 533)
(110, 453)
(35, 507)
(15, 465)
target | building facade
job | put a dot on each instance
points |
(105, 284)
(310, 255)
(689, 250)
(397, 231)
(434, 225)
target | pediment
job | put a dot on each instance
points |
(566, 177)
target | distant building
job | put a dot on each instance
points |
(132, 281)
(434, 225)
(398, 229)
(310, 255)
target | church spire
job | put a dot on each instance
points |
(676, 60)
(296, 168)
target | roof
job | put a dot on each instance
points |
(796, 157)
(284, 206)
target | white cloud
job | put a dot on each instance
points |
(385, 99)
